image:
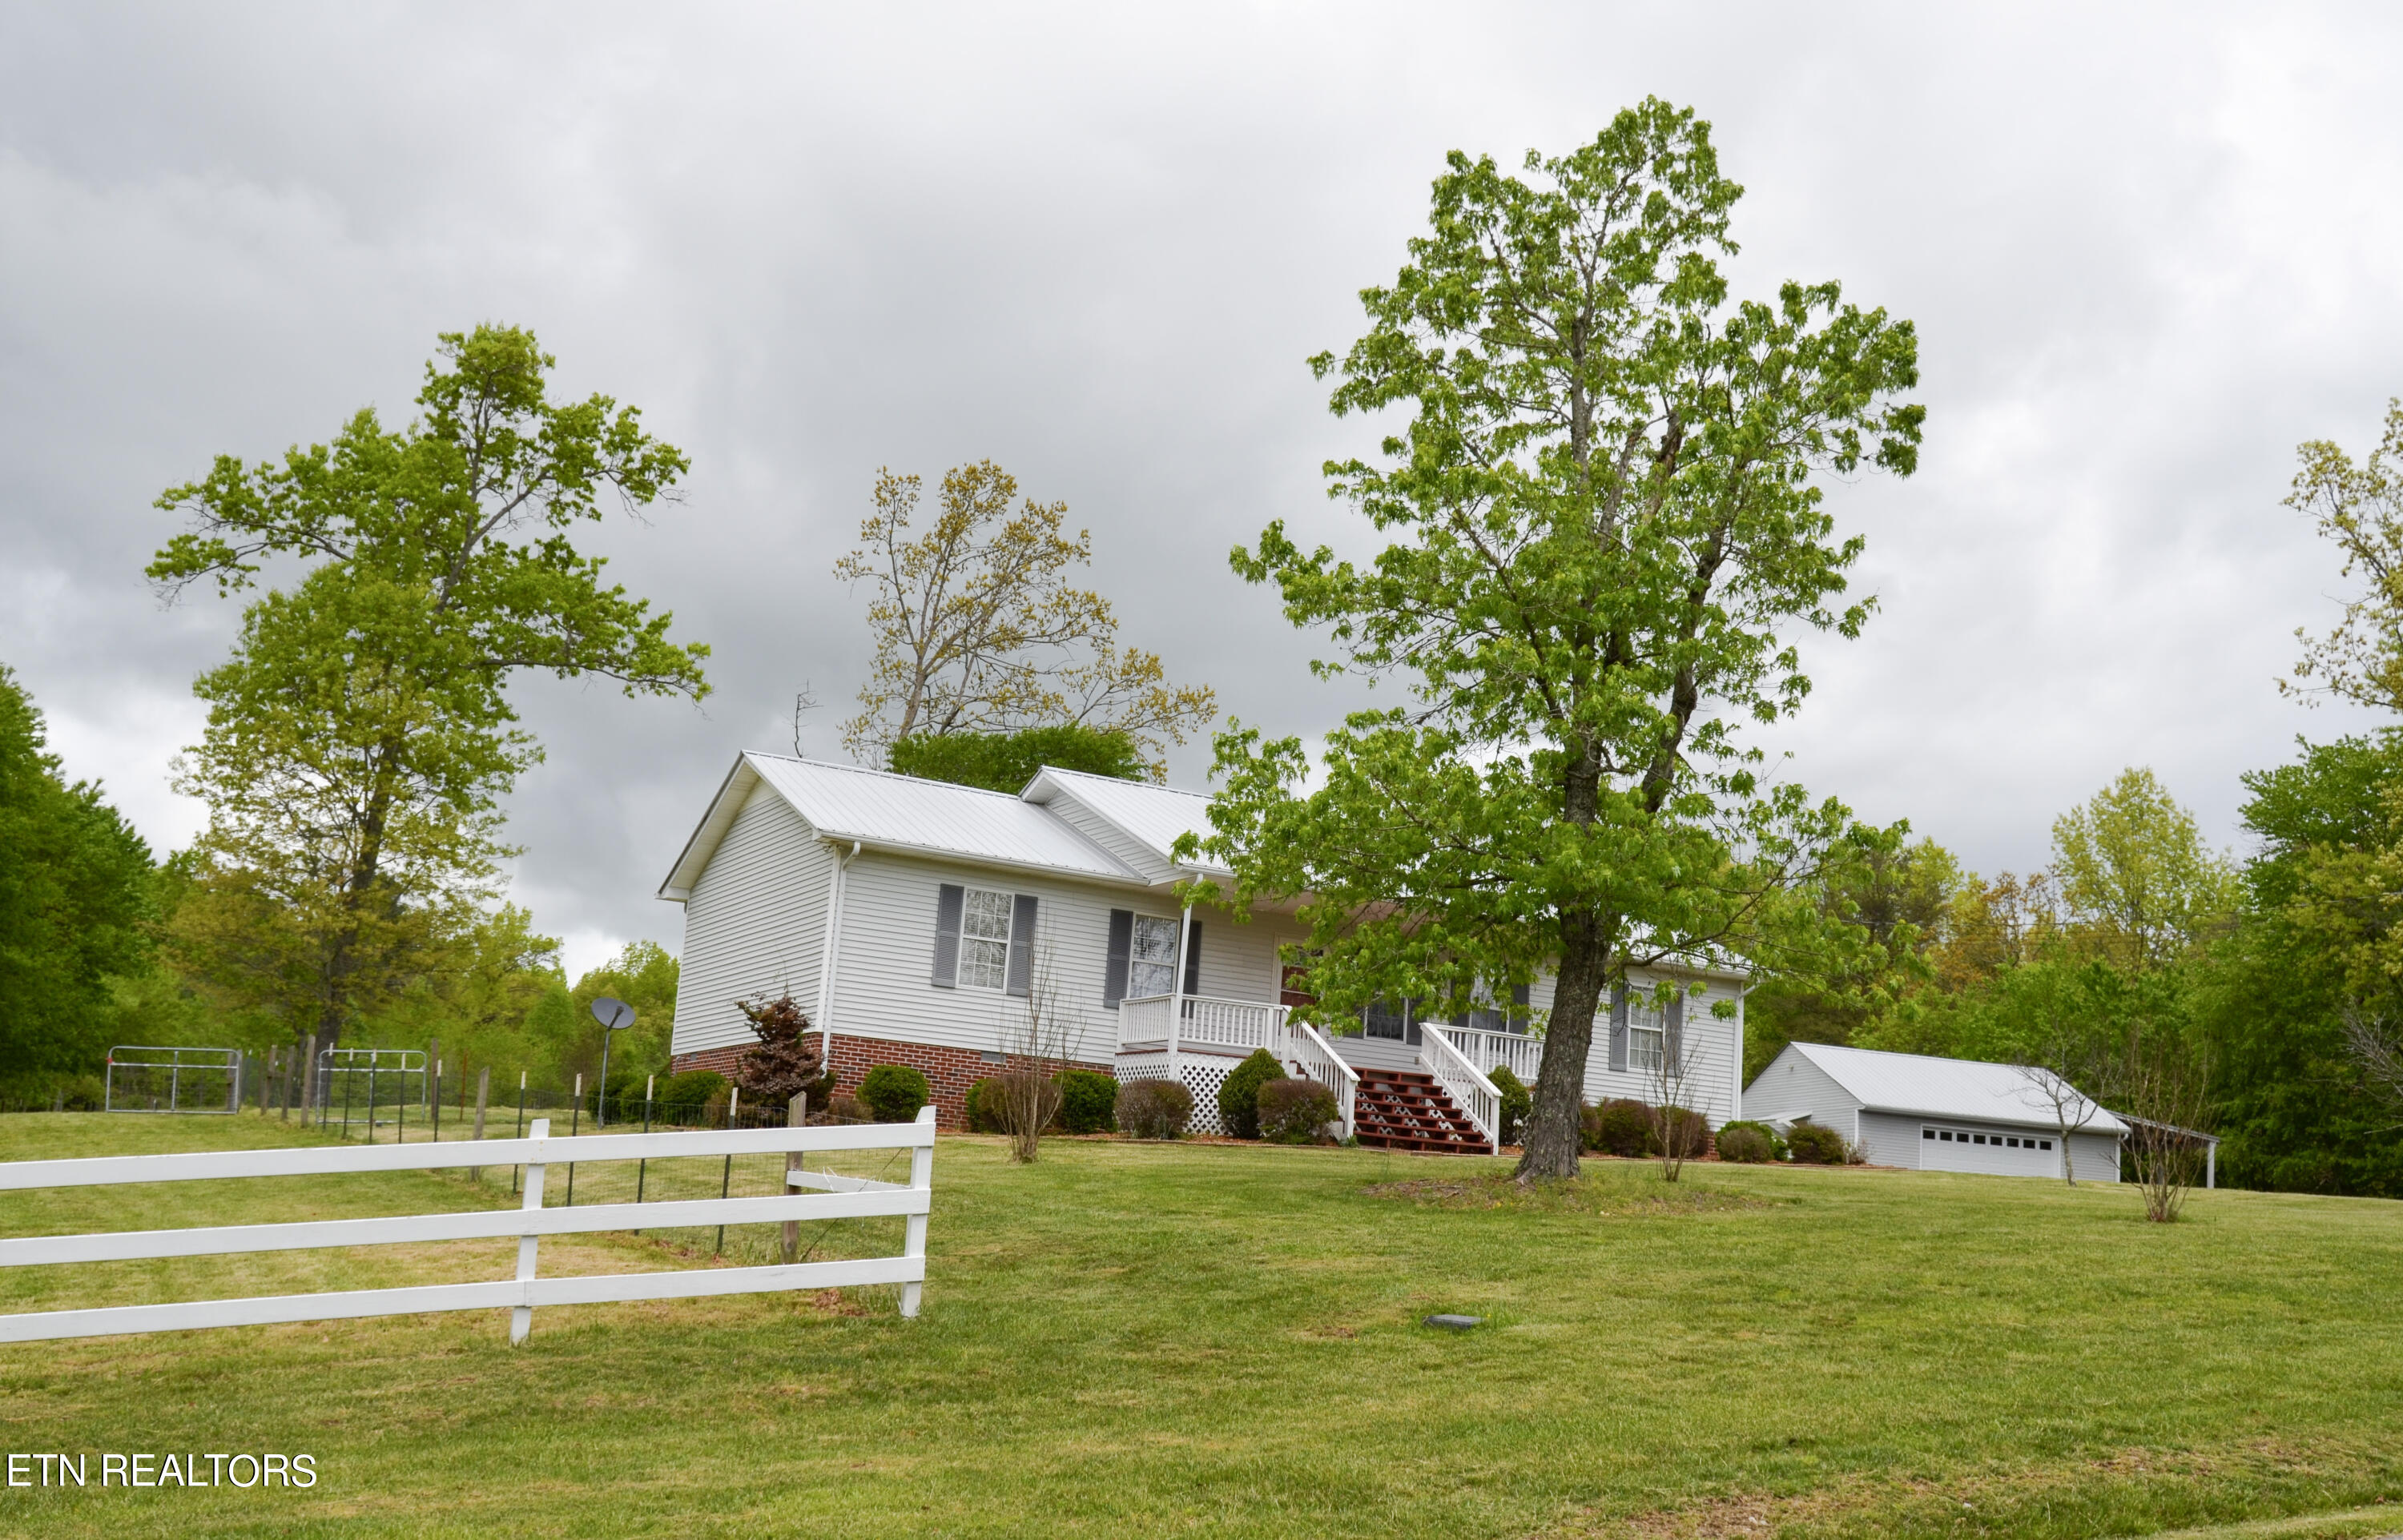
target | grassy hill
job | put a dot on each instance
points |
(1140, 1339)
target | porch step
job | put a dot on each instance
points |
(1405, 1110)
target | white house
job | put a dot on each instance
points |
(915, 920)
(1909, 1110)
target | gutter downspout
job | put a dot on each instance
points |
(828, 952)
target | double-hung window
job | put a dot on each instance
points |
(1151, 961)
(984, 939)
(1647, 1036)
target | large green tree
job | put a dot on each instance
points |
(75, 893)
(361, 737)
(1609, 533)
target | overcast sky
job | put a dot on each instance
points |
(2148, 251)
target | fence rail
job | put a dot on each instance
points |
(834, 1197)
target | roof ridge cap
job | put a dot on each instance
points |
(889, 775)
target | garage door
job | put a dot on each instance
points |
(1995, 1152)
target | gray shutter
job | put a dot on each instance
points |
(1193, 957)
(1618, 1028)
(948, 899)
(1673, 1037)
(1113, 974)
(1022, 946)
(1411, 1031)
(1521, 997)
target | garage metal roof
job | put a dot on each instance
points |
(1925, 1087)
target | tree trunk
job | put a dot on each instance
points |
(1555, 1134)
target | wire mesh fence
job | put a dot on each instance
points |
(377, 1111)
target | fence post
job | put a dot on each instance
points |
(575, 1121)
(483, 1093)
(521, 1317)
(922, 1177)
(434, 1101)
(309, 1079)
(725, 1182)
(797, 1114)
(643, 1167)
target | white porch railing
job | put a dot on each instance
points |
(1515, 1051)
(846, 1198)
(1312, 1056)
(1470, 1090)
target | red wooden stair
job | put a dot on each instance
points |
(1405, 1110)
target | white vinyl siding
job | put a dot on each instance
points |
(1793, 1086)
(883, 986)
(753, 925)
(1886, 1139)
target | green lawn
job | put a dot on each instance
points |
(1141, 1338)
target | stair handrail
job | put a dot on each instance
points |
(1477, 1096)
(1316, 1056)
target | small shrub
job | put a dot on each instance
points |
(844, 1107)
(1746, 1145)
(1087, 1100)
(692, 1088)
(979, 1113)
(1680, 1131)
(1296, 1111)
(894, 1092)
(1619, 1126)
(1154, 1109)
(1814, 1145)
(1517, 1103)
(1773, 1146)
(1239, 1098)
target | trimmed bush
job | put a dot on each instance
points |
(1239, 1099)
(1772, 1146)
(1296, 1111)
(894, 1092)
(692, 1088)
(979, 1113)
(1681, 1129)
(1746, 1147)
(1619, 1126)
(844, 1107)
(1814, 1145)
(1517, 1103)
(1088, 1102)
(1154, 1109)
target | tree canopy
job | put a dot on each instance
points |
(979, 631)
(1006, 761)
(1605, 533)
(76, 894)
(361, 735)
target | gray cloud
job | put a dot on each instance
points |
(2148, 249)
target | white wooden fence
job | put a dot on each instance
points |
(836, 1198)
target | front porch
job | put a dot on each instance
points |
(1431, 1093)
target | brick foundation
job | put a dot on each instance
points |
(949, 1072)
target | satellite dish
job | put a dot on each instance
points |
(613, 1013)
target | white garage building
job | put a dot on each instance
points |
(1907, 1109)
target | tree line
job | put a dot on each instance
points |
(1599, 483)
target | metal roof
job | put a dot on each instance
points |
(1925, 1087)
(897, 812)
(1154, 817)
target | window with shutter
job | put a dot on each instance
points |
(985, 919)
(1152, 963)
(1122, 956)
(947, 905)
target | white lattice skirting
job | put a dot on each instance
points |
(1201, 1074)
